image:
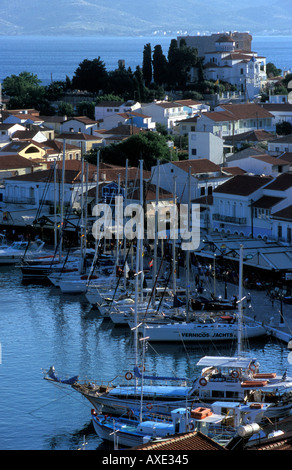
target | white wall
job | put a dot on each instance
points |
(205, 145)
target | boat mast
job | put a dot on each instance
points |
(188, 251)
(174, 238)
(239, 339)
(156, 233)
(62, 197)
(141, 228)
(124, 238)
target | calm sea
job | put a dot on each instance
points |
(54, 58)
(40, 327)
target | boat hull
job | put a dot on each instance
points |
(190, 333)
(126, 439)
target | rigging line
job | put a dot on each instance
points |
(66, 393)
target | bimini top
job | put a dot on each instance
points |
(225, 361)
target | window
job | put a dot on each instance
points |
(194, 151)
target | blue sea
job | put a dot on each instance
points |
(54, 58)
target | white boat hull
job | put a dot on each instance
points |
(195, 332)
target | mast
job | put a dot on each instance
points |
(62, 196)
(124, 238)
(96, 195)
(141, 227)
(188, 251)
(174, 239)
(156, 232)
(55, 206)
(239, 339)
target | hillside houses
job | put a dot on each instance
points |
(205, 177)
(232, 119)
(246, 204)
(229, 58)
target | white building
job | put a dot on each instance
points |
(205, 177)
(280, 145)
(108, 108)
(232, 119)
(261, 165)
(7, 130)
(81, 124)
(132, 118)
(244, 69)
(206, 145)
(166, 113)
(282, 112)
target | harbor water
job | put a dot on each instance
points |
(40, 327)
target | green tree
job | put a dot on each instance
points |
(160, 66)
(148, 146)
(91, 75)
(140, 90)
(65, 109)
(55, 90)
(24, 90)
(181, 59)
(272, 70)
(284, 128)
(147, 64)
(85, 108)
(120, 82)
(172, 62)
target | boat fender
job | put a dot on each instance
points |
(235, 374)
(94, 413)
(203, 381)
(129, 375)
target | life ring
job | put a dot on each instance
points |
(235, 374)
(149, 406)
(129, 376)
(252, 367)
(130, 413)
(203, 381)
(191, 426)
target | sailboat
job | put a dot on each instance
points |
(213, 328)
(19, 250)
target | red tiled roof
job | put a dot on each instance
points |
(281, 183)
(270, 159)
(242, 185)
(233, 170)
(186, 441)
(200, 165)
(16, 161)
(285, 214)
(266, 202)
(235, 112)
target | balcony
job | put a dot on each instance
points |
(230, 219)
